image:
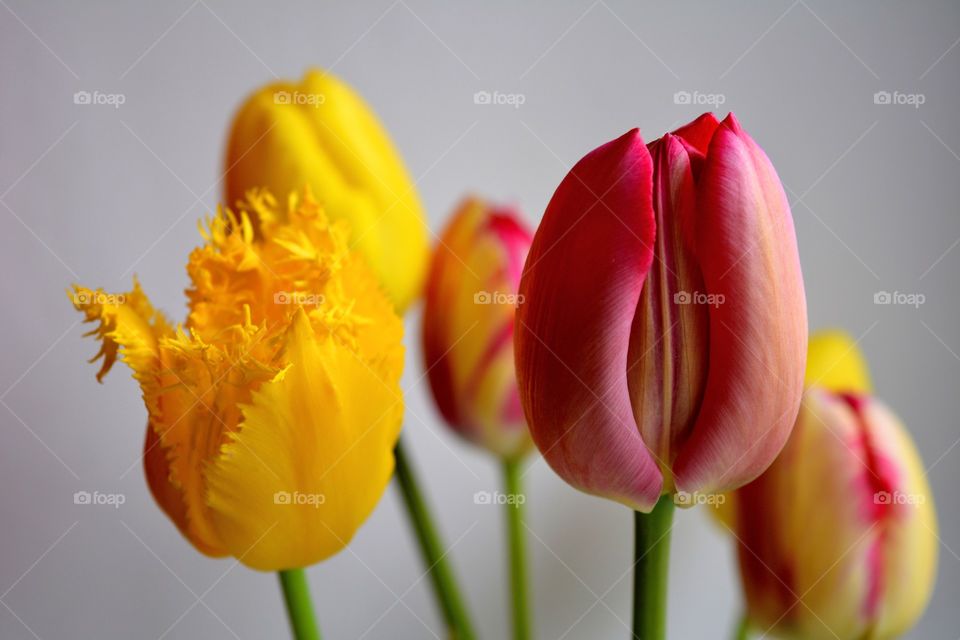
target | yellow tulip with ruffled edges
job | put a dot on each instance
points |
(273, 411)
(320, 132)
(838, 538)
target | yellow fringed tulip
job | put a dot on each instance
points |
(273, 412)
(319, 132)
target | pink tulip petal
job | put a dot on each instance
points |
(668, 343)
(580, 289)
(699, 133)
(758, 334)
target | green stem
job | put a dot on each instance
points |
(434, 556)
(743, 628)
(651, 567)
(296, 592)
(518, 561)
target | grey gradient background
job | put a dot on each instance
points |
(93, 194)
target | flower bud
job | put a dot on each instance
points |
(468, 326)
(661, 336)
(838, 537)
(320, 133)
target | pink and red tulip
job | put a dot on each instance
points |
(838, 537)
(468, 326)
(662, 332)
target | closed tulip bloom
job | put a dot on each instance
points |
(273, 411)
(662, 335)
(468, 326)
(319, 132)
(838, 537)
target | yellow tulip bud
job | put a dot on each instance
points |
(319, 132)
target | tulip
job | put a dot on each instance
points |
(468, 326)
(272, 413)
(838, 538)
(662, 331)
(662, 334)
(320, 132)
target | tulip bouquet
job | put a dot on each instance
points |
(649, 339)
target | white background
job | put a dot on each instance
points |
(93, 194)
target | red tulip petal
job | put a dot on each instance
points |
(699, 133)
(758, 336)
(579, 292)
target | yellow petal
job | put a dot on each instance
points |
(203, 386)
(911, 572)
(320, 133)
(312, 456)
(835, 362)
(129, 327)
(127, 322)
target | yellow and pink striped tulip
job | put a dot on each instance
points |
(838, 538)
(468, 326)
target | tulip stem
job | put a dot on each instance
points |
(651, 561)
(743, 628)
(445, 587)
(296, 592)
(518, 560)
